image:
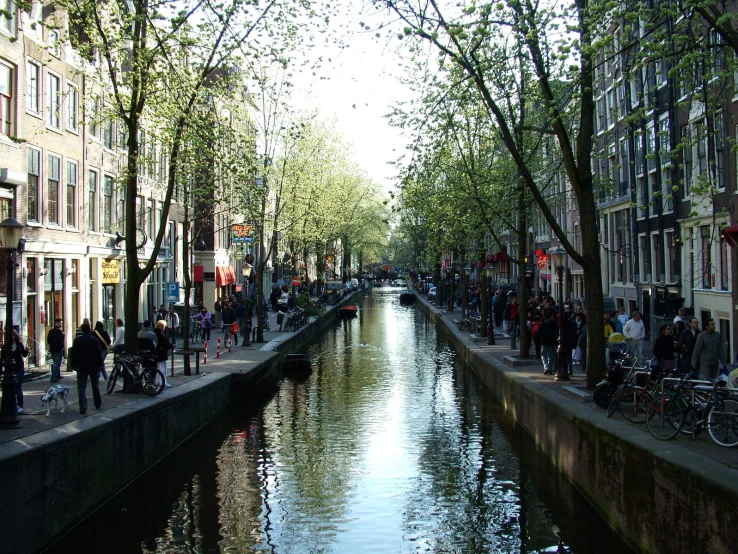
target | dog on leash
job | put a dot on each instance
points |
(54, 393)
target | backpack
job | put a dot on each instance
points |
(536, 327)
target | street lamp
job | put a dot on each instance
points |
(490, 271)
(10, 240)
(465, 290)
(558, 256)
(246, 270)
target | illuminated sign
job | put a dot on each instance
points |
(242, 234)
(110, 272)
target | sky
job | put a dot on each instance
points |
(361, 87)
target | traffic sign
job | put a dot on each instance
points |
(173, 292)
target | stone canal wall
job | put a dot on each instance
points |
(53, 479)
(661, 497)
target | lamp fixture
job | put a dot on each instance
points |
(246, 270)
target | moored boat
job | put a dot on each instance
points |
(407, 297)
(348, 311)
(297, 363)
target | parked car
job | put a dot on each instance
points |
(334, 290)
(283, 302)
(354, 284)
(432, 293)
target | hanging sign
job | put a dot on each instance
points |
(110, 272)
(242, 234)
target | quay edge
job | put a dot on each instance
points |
(660, 497)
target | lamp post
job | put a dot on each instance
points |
(465, 290)
(489, 273)
(559, 259)
(10, 233)
(246, 272)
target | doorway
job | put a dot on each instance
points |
(108, 308)
(724, 328)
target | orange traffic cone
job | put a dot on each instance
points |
(205, 357)
(217, 349)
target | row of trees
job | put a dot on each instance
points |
(507, 124)
(193, 74)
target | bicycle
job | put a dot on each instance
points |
(718, 413)
(629, 385)
(196, 335)
(231, 334)
(149, 377)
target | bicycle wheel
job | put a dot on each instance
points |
(722, 422)
(615, 399)
(113, 378)
(152, 381)
(664, 417)
(633, 403)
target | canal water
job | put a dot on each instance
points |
(390, 446)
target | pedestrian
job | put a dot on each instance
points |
(609, 328)
(687, 341)
(635, 332)
(104, 338)
(55, 340)
(569, 341)
(708, 352)
(623, 317)
(172, 320)
(20, 352)
(615, 323)
(119, 342)
(147, 339)
(663, 348)
(548, 334)
(86, 355)
(163, 346)
(582, 339)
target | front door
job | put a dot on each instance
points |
(108, 308)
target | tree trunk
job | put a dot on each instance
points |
(484, 306)
(522, 233)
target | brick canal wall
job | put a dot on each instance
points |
(661, 497)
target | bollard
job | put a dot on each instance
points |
(217, 349)
(205, 357)
(229, 343)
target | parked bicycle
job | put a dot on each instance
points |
(667, 414)
(634, 395)
(141, 369)
(196, 334)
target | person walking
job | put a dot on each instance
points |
(163, 346)
(172, 320)
(663, 348)
(55, 340)
(548, 333)
(85, 358)
(582, 339)
(708, 352)
(687, 341)
(119, 343)
(104, 338)
(20, 352)
(623, 317)
(206, 322)
(635, 332)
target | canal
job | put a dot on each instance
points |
(391, 445)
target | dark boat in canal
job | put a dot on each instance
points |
(348, 311)
(407, 297)
(297, 364)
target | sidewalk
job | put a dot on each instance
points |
(702, 444)
(34, 420)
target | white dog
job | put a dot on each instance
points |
(54, 393)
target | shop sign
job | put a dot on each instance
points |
(110, 272)
(242, 234)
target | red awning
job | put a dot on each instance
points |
(199, 274)
(502, 256)
(224, 276)
(730, 234)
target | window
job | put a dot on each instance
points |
(706, 257)
(92, 117)
(71, 193)
(641, 196)
(55, 42)
(638, 154)
(687, 159)
(108, 204)
(622, 106)
(72, 105)
(719, 148)
(661, 73)
(34, 179)
(600, 102)
(612, 108)
(140, 206)
(54, 100)
(645, 250)
(650, 148)
(153, 220)
(92, 200)
(122, 205)
(54, 177)
(6, 98)
(108, 134)
(7, 24)
(724, 265)
(667, 194)
(624, 167)
(670, 256)
(33, 88)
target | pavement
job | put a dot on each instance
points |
(34, 420)
(701, 444)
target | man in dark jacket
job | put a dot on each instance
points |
(55, 340)
(229, 318)
(548, 334)
(687, 340)
(86, 356)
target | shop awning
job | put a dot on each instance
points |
(224, 276)
(730, 234)
(199, 274)
(501, 256)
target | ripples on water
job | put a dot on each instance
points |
(391, 445)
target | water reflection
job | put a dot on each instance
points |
(391, 445)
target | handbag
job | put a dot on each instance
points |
(102, 340)
(577, 355)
